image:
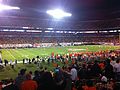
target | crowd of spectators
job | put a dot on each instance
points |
(87, 71)
(33, 40)
(15, 37)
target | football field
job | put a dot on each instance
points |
(19, 54)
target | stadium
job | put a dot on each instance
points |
(59, 45)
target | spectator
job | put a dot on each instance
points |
(20, 78)
(37, 77)
(82, 73)
(117, 70)
(10, 85)
(109, 70)
(59, 79)
(95, 70)
(89, 86)
(28, 84)
(47, 82)
(73, 74)
(31, 73)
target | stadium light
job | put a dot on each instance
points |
(58, 13)
(6, 7)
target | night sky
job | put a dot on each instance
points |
(81, 9)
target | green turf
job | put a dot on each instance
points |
(8, 72)
(19, 54)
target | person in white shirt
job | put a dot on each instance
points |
(11, 62)
(113, 62)
(117, 70)
(117, 66)
(73, 73)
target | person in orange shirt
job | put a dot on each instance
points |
(101, 65)
(89, 86)
(29, 84)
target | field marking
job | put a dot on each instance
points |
(28, 52)
(10, 53)
(19, 53)
(76, 49)
(22, 55)
(38, 51)
(32, 50)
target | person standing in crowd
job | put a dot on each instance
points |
(95, 70)
(73, 73)
(12, 65)
(28, 84)
(10, 85)
(47, 82)
(37, 77)
(33, 59)
(20, 78)
(48, 60)
(31, 73)
(11, 62)
(1, 61)
(15, 61)
(6, 62)
(109, 70)
(102, 65)
(117, 70)
(59, 79)
(29, 61)
(82, 73)
(23, 61)
(89, 85)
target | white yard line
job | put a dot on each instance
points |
(76, 49)
(29, 52)
(23, 55)
(10, 54)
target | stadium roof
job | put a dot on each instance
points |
(81, 9)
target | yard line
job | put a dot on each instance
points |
(34, 51)
(18, 53)
(10, 53)
(29, 52)
(22, 55)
